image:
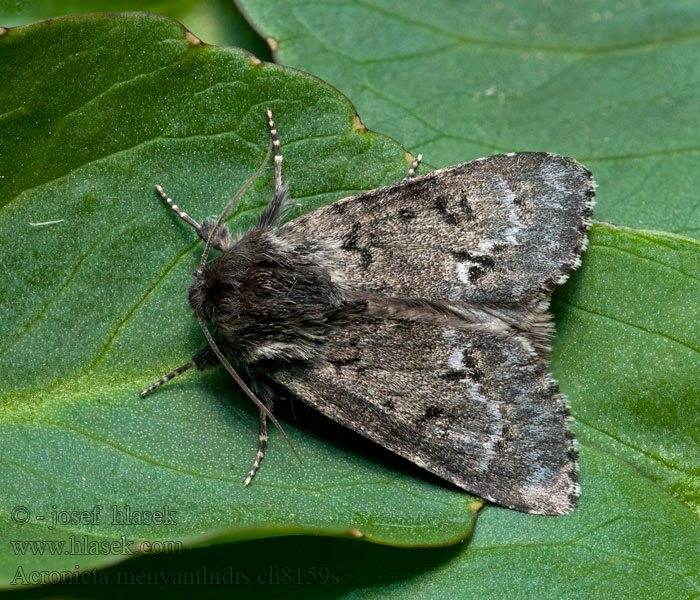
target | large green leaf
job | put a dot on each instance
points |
(614, 84)
(99, 110)
(627, 353)
(643, 547)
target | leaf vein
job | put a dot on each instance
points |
(634, 325)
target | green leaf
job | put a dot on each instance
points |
(644, 547)
(613, 84)
(213, 21)
(94, 304)
(627, 353)
(94, 308)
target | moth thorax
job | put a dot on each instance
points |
(267, 301)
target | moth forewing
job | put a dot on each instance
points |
(463, 259)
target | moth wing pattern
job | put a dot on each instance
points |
(417, 389)
(505, 229)
(470, 399)
(414, 314)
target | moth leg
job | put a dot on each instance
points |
(265, 393)
(203, 359)
(273, 211)
(414, 166)
(262, 440)
(222, 238)
(277, 148)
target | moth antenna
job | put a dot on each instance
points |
(414, 166)
(166, 378)
(231, 204)
(243, 385)
(180, 213)
(278, 175)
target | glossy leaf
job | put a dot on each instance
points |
(94, 300)
(613, 84)
(645, 547)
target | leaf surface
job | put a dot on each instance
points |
(213, 21)
(612, 84)
(96, 271)
(94, 308)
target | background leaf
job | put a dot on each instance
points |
(613, 84)
(213, 21)
(625, 352)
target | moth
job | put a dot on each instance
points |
(414, 314)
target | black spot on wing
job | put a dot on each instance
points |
(483, 263)
(351, 237)
(365, 257)
(470, 364)
(454, 375)
(504, 443)
(467, 210)
(406, 214)
(351, 243)
(431, 413)
(339, 208)
(484, 260)
(475, 273)
(440, 204)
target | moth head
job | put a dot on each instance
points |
(213, 294)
